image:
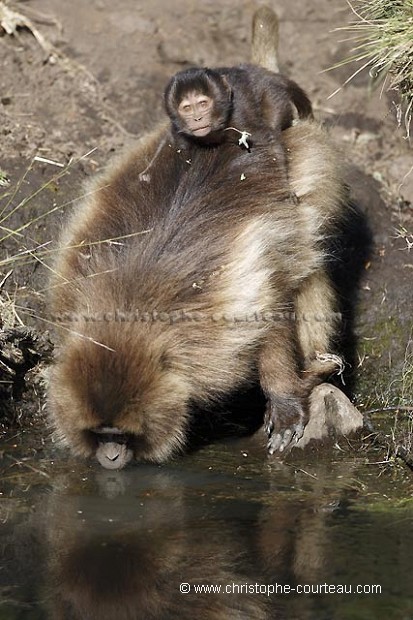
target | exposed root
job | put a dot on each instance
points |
(12, 21)
(21, 349)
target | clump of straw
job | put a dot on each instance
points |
(383, 42)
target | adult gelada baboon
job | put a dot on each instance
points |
(184, 289)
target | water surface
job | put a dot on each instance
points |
(80, 543)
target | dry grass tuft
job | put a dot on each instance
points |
(383, 42)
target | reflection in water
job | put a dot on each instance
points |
(125, 557)
(87, 544)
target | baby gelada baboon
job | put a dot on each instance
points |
(244, 104)
(181, 291)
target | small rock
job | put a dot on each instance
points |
(331, 413)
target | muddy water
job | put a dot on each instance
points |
(79, 542)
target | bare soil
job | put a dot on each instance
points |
(102, 89)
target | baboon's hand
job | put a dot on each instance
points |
(285, 420)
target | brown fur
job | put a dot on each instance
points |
(245, 99)
(182, 290)
(203, 244)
